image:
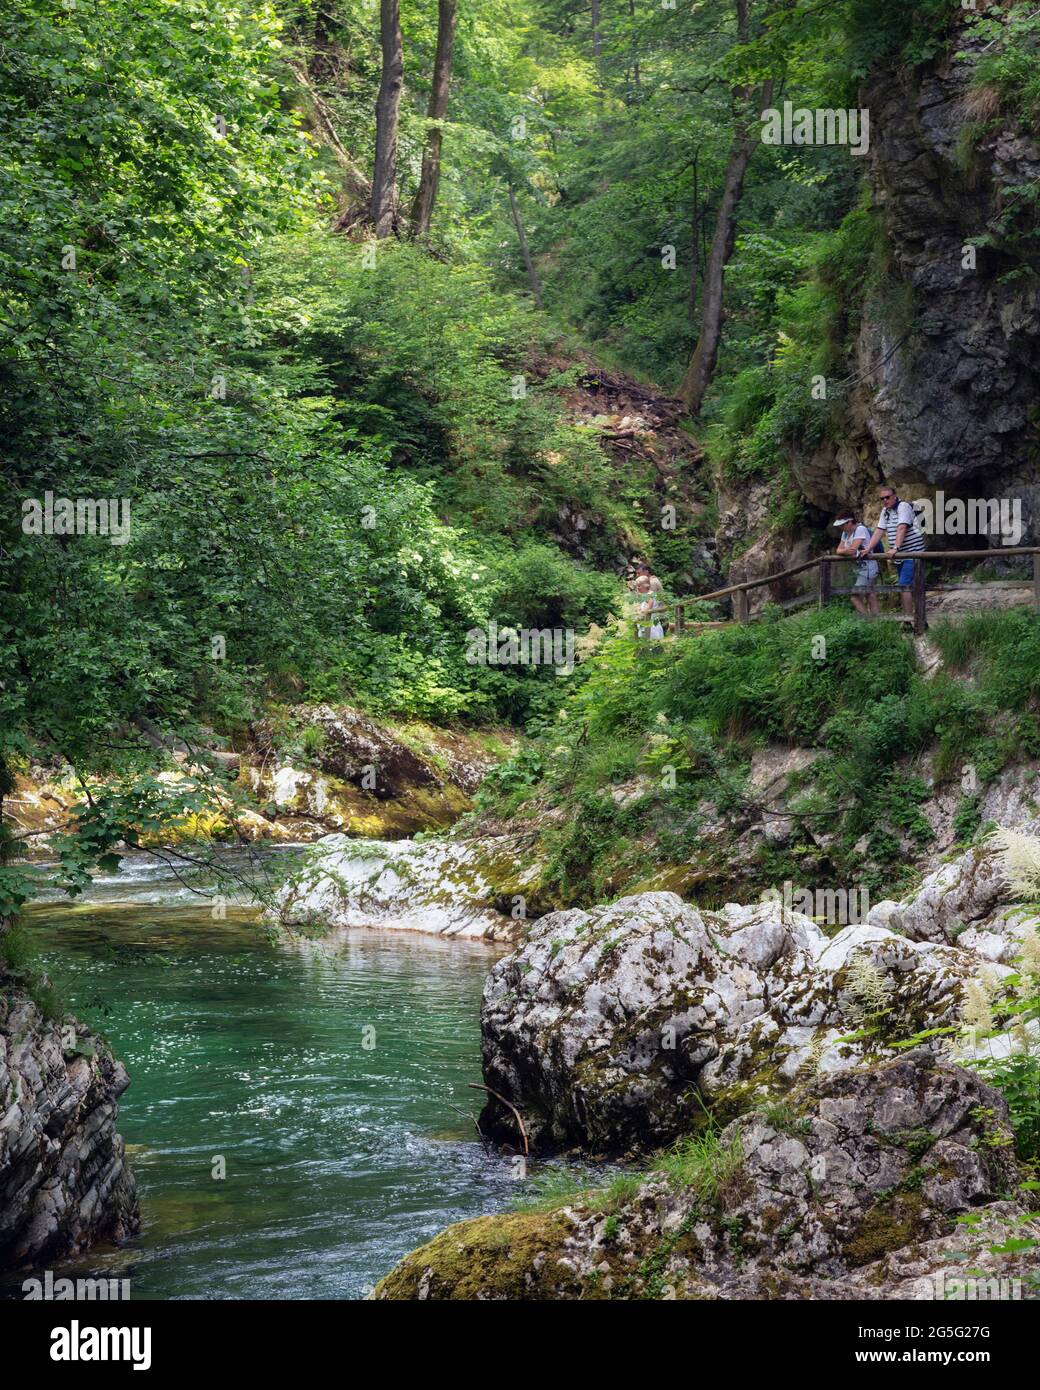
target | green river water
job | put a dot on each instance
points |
(339, 1158)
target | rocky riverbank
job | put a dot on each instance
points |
(448, 887)
(293, 778)
(896, 1182)
(610, 1030)
(64, 1181)
(822, 1140)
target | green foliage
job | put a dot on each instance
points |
(767, 679)
(579, 851)
(558, 1187)
(1017, 1077)
(1004, 650)
(702, 1162)
(19, 965)
(684, 717)
(336, 466)
(329, 475)
(803, 330)
(1010, 61)
(536, 586)
(967, 819)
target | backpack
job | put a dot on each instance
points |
(879, 549)
(917, 511)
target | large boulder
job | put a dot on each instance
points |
(448, 887)
(610, 1029)
(852, 1190)
(64, 1183)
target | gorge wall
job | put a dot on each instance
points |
(939, 386)
(64, 1182)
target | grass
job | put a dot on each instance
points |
(18, 967)
(698, 1162)
(688, 718)
(701, 1162)
(562, 1187)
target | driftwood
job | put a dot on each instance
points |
(476, 1086)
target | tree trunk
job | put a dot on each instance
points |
(532, 273)
(701, 367)
(388, 106)
(426, 193)
(6, 787)
(597, 41)
(355, 182)
(695, 243)
(636, 81)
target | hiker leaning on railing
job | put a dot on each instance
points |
(853, 541)
(897, 527)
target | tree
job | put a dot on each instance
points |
(525, 250)
(388, 109)
(702, 363)
(429, 178)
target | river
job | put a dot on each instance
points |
(328, 1075)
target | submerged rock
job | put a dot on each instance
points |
(850, 1191)
(64, 1183)
(609, 1029)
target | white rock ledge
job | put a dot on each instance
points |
(436, 886)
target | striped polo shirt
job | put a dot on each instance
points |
(901, 514)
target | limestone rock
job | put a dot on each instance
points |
(64, 1183)
(964, 902)
(447, 887)
(942, 399)
(852, 1190)
(605, 1026)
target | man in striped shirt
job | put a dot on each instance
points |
(897, 525)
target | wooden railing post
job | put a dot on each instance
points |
(1036, 581)
(679, 618)
(740, 606)
(920, 621)
(824, 583)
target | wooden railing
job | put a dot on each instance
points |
(825, 589)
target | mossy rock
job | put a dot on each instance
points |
(493, 1257)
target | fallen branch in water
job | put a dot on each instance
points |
(475, 1122)
(476, 1086)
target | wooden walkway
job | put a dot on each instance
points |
(825, 590)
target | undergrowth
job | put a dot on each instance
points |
(655, 741)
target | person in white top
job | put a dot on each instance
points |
(897, 525)
(649, 604)
(854, 539)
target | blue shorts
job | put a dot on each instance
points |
(905, 569)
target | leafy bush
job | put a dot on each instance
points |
(537, 586)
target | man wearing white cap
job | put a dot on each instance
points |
(854, 538)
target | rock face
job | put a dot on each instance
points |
(438, 886)
(947, 394)
(965, 901)
(333, 769)
(356, 748)
(64, 1183)
(604, 1026)
(850, 1191)
(368, 779)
